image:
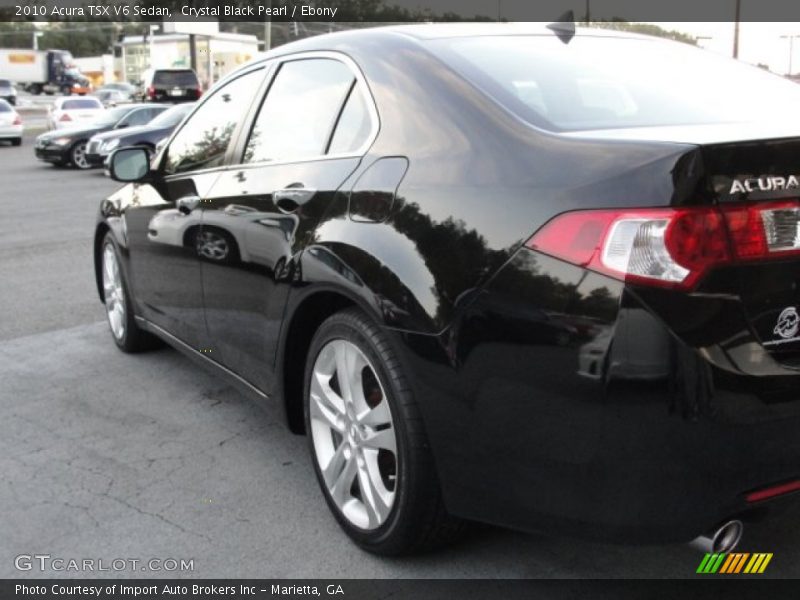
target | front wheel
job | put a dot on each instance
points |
(119, 309)
(78, 156)
(370, 451)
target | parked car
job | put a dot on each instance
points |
(120, 86)
(69, 146)
(170, 85)
(148, 135)
(69, 112)
(10, 124)
(8, 91)
(473, 177)
(111, 97)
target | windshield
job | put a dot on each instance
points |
(112, 115)
(175, 78)
(172, 116)
(609, 82)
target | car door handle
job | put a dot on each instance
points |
(187, 204)
(288, 200)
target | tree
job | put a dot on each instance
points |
(645, 29)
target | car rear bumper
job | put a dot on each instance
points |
(617, 430)
(10, 131)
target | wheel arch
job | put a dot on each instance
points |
(302, 321)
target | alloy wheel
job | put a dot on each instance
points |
(79, 156)
(212, 246)
(353, 434)
(114, 293)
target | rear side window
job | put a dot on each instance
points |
(175, 79)
(599, 82)
(203, 140)
(298, 115)
(354, 124)
(4, 106)
(81, 103)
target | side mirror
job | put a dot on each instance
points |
(129, 164)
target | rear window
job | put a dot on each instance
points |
(5, 83)
(175, 78)
(4, 106)
(609, 82)
(80, 103)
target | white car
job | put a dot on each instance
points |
(10, 124)
(70, 112)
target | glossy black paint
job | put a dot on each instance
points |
(555, 399)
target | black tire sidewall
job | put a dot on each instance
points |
(344, 326)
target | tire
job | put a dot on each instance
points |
(119, 309)
(385, 446)
(16, 142)
(77, 156)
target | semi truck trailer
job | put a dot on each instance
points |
(38, 71)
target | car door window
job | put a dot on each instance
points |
(204, 138)
(297, 117)
(137, 117)
(354, 126)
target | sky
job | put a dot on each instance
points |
(758, 42)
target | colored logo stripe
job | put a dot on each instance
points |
(734, 562)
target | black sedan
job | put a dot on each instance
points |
(148, 136)
(542, 280)
(68, 146)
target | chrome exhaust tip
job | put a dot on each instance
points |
(723, 539)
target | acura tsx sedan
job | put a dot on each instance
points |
(536, 277)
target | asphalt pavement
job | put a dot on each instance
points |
(108, 456)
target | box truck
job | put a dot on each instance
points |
(48, 71)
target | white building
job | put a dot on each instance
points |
(217, 54)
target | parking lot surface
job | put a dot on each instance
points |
(106, 456)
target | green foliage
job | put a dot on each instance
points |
(645, 29)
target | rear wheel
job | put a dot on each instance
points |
(119, 310)
(16, 141)
(370, 451)
(78, 156)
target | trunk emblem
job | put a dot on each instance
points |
(788, 323)
(764, 184)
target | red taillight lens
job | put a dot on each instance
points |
(17, 120)
(65, 117)
(670, 247)
(151, 92)
(199, 92)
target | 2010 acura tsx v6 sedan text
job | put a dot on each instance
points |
(532, 277)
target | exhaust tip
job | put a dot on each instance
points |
(723, 539)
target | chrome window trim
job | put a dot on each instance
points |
(364, 90)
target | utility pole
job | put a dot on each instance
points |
(268, 29)
(791, 49)
(736, 29)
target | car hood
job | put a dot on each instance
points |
(88, 131)
(130, 131)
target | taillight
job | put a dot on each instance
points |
(764, 230)
(151, 92)
(670, 247)
(17, 120)
(65, 117)
(199, 92)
